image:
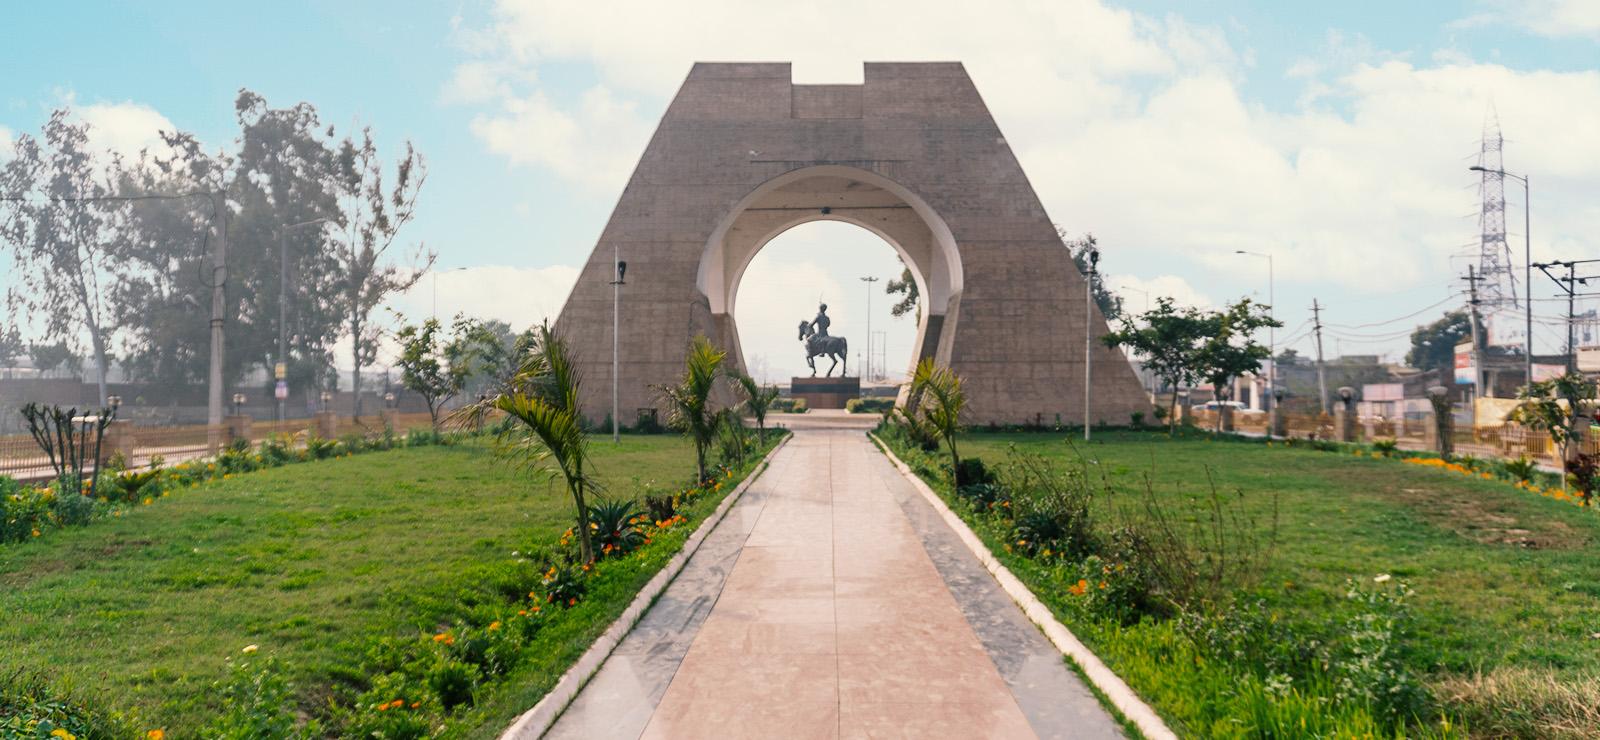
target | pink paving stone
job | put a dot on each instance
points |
(835, 625)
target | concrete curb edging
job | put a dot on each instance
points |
(535, 722)
(1122, 697)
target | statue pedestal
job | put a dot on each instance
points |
(825, 393)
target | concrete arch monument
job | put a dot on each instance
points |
(912, 155)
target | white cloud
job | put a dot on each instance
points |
(8, 143)
(1551, 18)
(124, 128)
(1138, 293)
(1133, 127)
(580, 145)
(519, 296)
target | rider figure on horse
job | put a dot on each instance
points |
(821, 322)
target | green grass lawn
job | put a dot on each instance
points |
(139, 611)
(1507, 583)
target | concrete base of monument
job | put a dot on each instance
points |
(825, 393)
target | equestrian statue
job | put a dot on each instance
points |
(818, 342)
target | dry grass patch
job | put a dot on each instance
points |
(1524, 702)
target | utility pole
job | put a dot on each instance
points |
(869, 281)
(1088, 335)
(1572, 293)
(616, 344)
(1477, 370)
(219, 276)
(1322, 380)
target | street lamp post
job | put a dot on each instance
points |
(869, 281)
(1088, 334)
(1272, 330)
(616, 344)
(281, 372)
(1527, 268)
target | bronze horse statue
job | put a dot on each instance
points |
(824, 344)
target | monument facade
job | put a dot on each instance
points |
(742, 154)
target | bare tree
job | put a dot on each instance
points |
(372, 219)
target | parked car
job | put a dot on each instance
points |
(1237, 406)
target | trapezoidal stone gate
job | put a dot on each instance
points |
(911, 154)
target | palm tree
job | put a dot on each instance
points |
(689, 402)
(940, 399)
(548, 434)
(758, 401)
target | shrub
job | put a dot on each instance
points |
(869, 405)
(1521, 469)
(563, 584)
(257, 702)
(789, 405)
(972, 472)
(318, 448)
(24, 510)
(1250, 635)
(354, 442)
(616, 530)
(277, 450)
(1386, 447)
(69, 507)
(29, 708)
(1189, 566)
(734, 441)
(452, 682)
(1373, 664)
(660, 507)
(1136, 419)
(1050, 507)
(984, 496)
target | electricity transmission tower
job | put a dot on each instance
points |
(1497, 289)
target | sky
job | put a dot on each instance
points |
(1333, 136)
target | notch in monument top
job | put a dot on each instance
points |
(827, 210)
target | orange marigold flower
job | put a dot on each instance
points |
(1080, 588)
(156, 735)
(494, 626)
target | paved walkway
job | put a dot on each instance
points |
(833, 602)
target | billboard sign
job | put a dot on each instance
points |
(1548, 372)
(1589, 359)
(1466, 372)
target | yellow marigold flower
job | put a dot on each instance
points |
(250, 649)
(494, 626)
(58, 732)
(36, 533)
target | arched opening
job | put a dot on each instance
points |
(824, 261)
(853, 196)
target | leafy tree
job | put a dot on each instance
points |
(1109, 303)
(758, 401)
(547, 433)
(491, 351)
(1563, 406)
(906, 288)
(1433, 346)
(11, 345)
(51, 357)
(430, 367)
(278, 173)
(59, 224)
(940, 401)
(1231, 350)
(689, 401)
(372, 217)
(1170, 340)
